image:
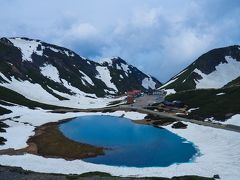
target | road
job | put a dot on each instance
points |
(144, 101)
(177, 118)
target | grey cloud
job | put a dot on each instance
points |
(160, 37)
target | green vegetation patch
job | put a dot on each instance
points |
(4, 110)
(3, 127)
(221, 107)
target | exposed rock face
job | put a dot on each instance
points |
(54, 72)
(216, 69)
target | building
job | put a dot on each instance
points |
(178, 104)
(130, 99)
(134, 93)
(159, 92)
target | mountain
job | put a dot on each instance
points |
(55, 75)
(136, 79)
(210, 85)
(215, 69)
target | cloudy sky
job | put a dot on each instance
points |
(158, 36)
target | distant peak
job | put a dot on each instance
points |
(112, 60)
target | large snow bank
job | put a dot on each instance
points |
(219, 155)
(50, 72)
(27, 47)
(234, 120)
(35, 92)
(104, 75)
(224, 73)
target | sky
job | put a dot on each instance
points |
(160, 37)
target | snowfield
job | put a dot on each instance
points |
(50, 72)
(224, 73)
(234, 120)
(79, 99)
(148, 83)
(21, 130)
(219, 149)
(27, 47)
(30, 90)
(169, 91)
(87, 78)
(104, 75)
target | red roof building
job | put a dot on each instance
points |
(134, 93)
(130, 99)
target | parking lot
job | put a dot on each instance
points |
(147, 100)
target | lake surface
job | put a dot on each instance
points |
(130, 144)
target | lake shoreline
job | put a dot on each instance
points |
(49, 142)
(49, 133)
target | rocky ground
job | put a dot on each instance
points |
(14, 173)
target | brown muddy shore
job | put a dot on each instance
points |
(48, 141)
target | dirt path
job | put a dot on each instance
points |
(176, 118)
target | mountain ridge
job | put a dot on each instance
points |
(214, 69)
(60, 74)
(209, 86)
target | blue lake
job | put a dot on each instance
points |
(129, 144)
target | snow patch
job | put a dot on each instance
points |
(148, 83)
(193, 109)
(169, 82)
(78, 99)
(220, 94)
(125, 67)
(224, 73)
(118, 67)
(87, 78)
(174, 79)
(66, 52)
(170, 91)
(104, 75)
(106, 60)
(50, 72)
(234, 120)
(27, 47)
(4, 77)
(30, 90)
(16, 134)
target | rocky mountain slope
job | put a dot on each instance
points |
(210, 85)
(55, 75)
(216, 69)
